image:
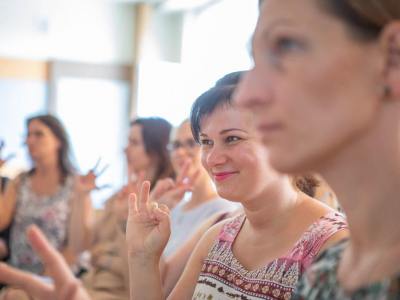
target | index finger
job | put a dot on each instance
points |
(96, 165)
(51, 258)
(184, 172)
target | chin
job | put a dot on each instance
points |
(229, 194)
(290, 163)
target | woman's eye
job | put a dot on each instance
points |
(205, 142)
(232, 139)
(283, 45)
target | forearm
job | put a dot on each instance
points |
(123, 252)
(145, 279)
(7, 206)
(81, 224)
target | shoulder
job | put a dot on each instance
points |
(223, 230)
(16, 183)
(320, 279)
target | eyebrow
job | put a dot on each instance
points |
(266, 32)
(226, 131)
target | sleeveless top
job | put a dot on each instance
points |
(223, 277)
(50, 213)
(320, 281)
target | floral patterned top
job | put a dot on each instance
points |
(320, 281)
(49, 213)
(223, 277)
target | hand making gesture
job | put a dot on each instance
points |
(170, 192)
(148, 226)
(87, 183)
(64, 287)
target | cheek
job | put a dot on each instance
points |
(326, 96)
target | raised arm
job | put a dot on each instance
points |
(7, 204)
(148, 230)
(82, 216)
(147, 233)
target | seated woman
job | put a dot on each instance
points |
(50, 195)
(146, 154)
(257, 255)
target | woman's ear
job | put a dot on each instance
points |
(390, 39)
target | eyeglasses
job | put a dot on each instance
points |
(189, 144)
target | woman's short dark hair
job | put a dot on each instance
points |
(155, 134)
(64, 152)
(230, 79)
(206, 104)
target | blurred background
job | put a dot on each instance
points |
(96, 64)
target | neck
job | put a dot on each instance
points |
(365, 176)
(150, 173)
(272, 207)
(46, 167)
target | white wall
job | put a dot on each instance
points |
(215, 40)
(87, 31)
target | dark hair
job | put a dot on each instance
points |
(231, 78)
(155, 134)
(306, 183)
(207, 103)
(64, 153)
(220, 94)
(365, 18)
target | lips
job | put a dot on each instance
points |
(221, 176)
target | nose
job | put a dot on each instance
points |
(253, 91)
(180, 152)
(214, 157)
(29, 140)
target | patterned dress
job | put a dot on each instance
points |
(320, 281)
(223, 277)
(49, 213)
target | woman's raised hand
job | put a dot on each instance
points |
(87, 183)
(148, 227)
(170, 192)
(64, 287)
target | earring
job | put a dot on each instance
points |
(386, 90)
